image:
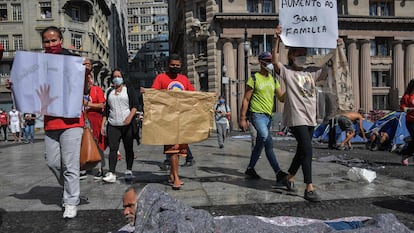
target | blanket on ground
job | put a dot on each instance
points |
(157, 211)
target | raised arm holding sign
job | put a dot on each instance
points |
(311, 24)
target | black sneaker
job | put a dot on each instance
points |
(251, 174)
(290, 185)
(312, 196)
(282, 178)
(83, 175)
(98, 176)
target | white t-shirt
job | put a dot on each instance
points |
(300, 101)
(119, 107)
(14, 117)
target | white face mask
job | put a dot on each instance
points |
(269, 67)
(300, 61)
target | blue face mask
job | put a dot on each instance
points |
(221, 101)
(117, 81)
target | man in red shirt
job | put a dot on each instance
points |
(173, 80)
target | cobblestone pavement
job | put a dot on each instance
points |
(30, 196)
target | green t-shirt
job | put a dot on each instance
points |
(263, 92)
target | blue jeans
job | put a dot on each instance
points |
(29, 131)
(262, 124)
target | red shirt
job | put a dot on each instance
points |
(3, 118)
(164, 82)
(56, 123)
(96, 96)
(408, 101)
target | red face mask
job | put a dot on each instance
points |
(55, 49)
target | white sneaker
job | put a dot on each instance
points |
(129, 175)
(109, 177)
(70, 211)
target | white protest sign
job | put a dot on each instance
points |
(48, 84)
(309, 23)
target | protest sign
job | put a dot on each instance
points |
(309, 23)
(177, 117)
(48, 84)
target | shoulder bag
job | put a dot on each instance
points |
(90, 154)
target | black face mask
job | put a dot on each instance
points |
(175, 70)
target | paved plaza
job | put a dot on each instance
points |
(30, 198)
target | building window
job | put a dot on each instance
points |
(45, 10)
(161, 18)
(267, 6)
(18, 42)
(342, 7)
(3, 12)
(75, 13)
(260, 6)
(201, 49)
(203, 77)
(4, 40)
(380, 47)
(146, 19)
(145, 11)
(133, 19)
(380, 102)
(253, 6)
(201, 13)
(17, 12)
(76, 41)
(146, 37)
(381, 8)
(380, 78)
(258, 44)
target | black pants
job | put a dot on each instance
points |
(303, 156)
(408, 151)
(332, 134)
(4, 131)
(115, 134)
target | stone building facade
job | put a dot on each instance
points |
(147, 40)
(218, 39)
(85, 27)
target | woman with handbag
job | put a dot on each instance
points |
(121, 105)
(94, 103)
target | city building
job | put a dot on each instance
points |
(147, 39)
(221, 40)
(85, 27)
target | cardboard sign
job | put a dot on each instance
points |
(48, 84)
(310, 23)
(177, 117)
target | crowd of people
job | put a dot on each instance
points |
(112, 117)
(21, 126)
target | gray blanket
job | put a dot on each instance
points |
(157, 212)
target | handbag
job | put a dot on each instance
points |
(90, 154)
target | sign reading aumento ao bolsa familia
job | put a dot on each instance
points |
(309, 23)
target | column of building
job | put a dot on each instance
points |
(229, 62)
(398, 68)
(242, 76)
(353, 60)
(409, 62)
(365, 77)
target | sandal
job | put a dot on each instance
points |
(172, 182)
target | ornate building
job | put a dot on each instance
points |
(218, 39)
(85, 27)
(147, 39)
